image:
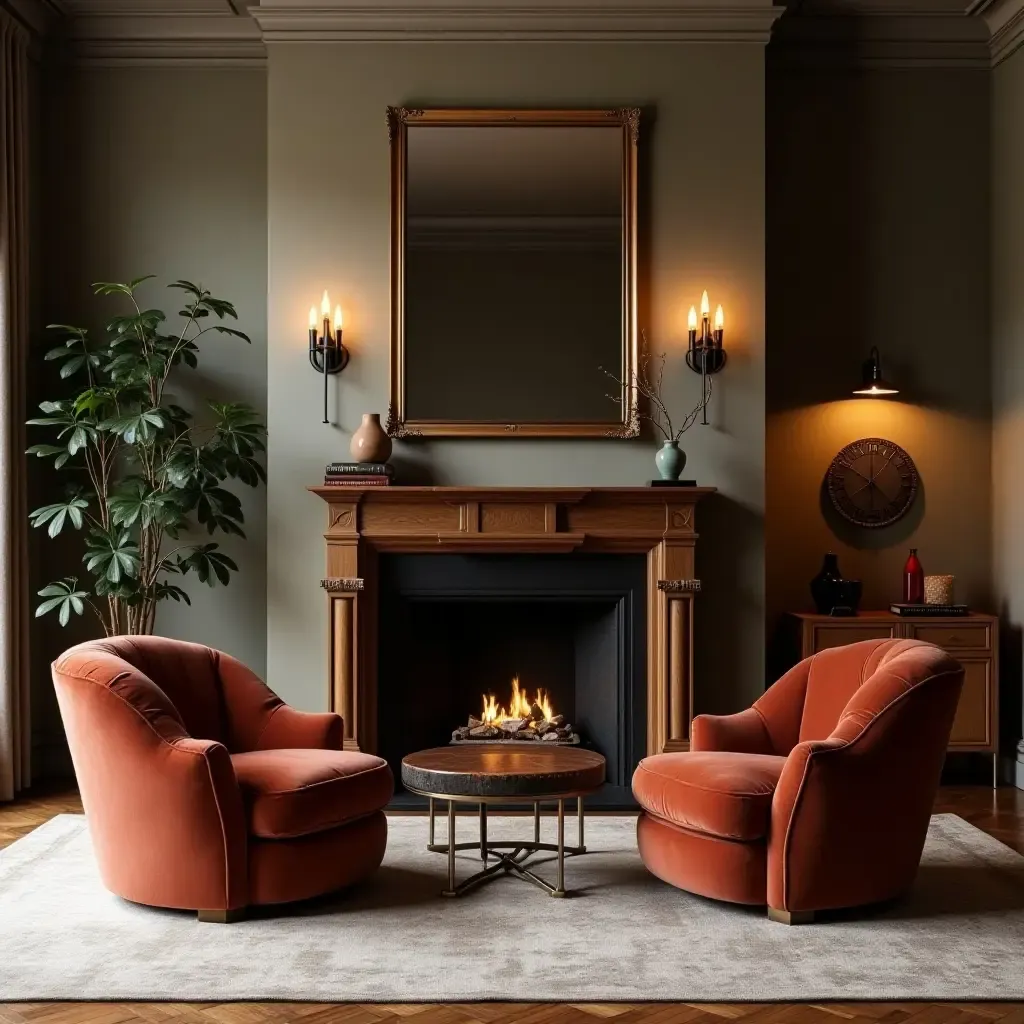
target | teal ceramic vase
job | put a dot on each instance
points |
(670, 460)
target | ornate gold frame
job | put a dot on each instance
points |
(398, 119)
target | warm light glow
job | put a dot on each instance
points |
(325, 304)
(719, 319)
(705, 305)
(337, 318)
(312, 318)
(691, 320)
(520, 707)
(874, 389)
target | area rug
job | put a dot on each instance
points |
(625, 936)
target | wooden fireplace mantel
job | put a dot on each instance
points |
(657, 522)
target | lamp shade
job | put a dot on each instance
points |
(873, 383)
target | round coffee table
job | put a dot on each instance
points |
(504, 773)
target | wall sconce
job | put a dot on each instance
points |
(874, 383)
(326, 353)
(705, 354)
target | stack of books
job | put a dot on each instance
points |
(358, 474)
(937, 610)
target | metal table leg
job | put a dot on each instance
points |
(506, 857)
(450, 891)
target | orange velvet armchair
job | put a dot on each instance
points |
(203, 790)
(816, 798)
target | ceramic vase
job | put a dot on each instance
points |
(370, 443)
(670, 460)
(825, 586)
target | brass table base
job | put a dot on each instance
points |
(519, 851)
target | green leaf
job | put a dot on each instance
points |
(73, 365)
(61, 352)
(58, 513)
(112, 554)
(64, 597)
(116, 287)
(209, 564)
(79, 332)
(188, 286)
(232, 332)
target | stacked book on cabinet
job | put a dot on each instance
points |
(358, 474)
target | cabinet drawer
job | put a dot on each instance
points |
(839, 635)
(972, 726)
(950, 636)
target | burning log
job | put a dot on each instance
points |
(526, 720)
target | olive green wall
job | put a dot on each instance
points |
(702, 188)
(159, 171)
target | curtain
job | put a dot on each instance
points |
(15, 730)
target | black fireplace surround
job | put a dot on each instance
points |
(456, 627)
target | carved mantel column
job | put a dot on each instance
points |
(342, 652)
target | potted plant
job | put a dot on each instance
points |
(142, 472)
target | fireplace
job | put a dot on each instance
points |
(457, 628)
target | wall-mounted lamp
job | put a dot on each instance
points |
(326, 353)
(705, 354)
(874, 383)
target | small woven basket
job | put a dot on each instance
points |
(938, 590)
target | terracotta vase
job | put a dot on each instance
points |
(369, 442)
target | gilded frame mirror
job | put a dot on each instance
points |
(513, 272)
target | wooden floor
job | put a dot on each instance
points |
(1000, 814)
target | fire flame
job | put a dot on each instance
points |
(520, 707)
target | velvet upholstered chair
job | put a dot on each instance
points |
(203, 790)
(816, 798)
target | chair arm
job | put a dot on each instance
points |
(744, 733)
(288, 727)
(259, 720)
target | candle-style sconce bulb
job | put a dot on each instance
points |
(705, 353)
(327, 353)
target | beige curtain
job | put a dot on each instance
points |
(15, 732)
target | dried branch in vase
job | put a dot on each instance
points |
(646, 381)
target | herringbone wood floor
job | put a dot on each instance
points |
(1000, 814)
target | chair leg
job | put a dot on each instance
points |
(222, 916)
(791, 916)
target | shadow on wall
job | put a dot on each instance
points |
(729, 676)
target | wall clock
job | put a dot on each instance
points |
(872, 482)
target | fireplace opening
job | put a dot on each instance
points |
(457, 630)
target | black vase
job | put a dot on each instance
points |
(826, 587)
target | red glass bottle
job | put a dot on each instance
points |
(913, 580)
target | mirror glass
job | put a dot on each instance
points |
(515, 277)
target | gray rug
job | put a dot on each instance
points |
(626, 936)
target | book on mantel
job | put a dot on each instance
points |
(925, 610)
(358, 474)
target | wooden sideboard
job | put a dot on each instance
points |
(972, 639)
(363, 522)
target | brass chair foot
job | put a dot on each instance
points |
(791, 916)
(222, 916)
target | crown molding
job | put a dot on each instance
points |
(159, 33)
(621, 21)
(871, 34)
(1005, 20)
(38, 16)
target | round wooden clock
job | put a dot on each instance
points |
(872, 482)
